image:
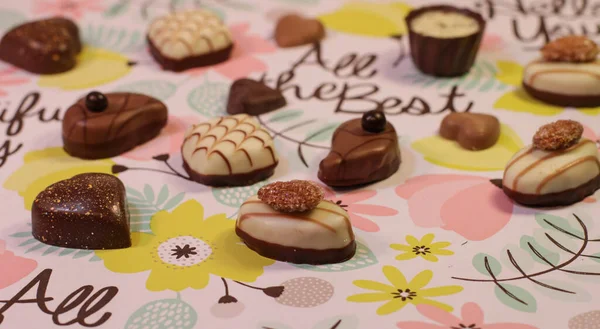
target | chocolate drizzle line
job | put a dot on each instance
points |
(229, 131)
(174, 34)
(535, 75)
(294, 217)
(565, 168)
(540, 161)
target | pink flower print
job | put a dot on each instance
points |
(468, 205)
(168, 142)
(243, 60)
(8, 79)
(14, 268)
(590, 134)
(69, 8)
(350, 202)
(472, 318)
(491, 42)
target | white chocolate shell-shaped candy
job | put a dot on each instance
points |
(189, 33)
(227, 146)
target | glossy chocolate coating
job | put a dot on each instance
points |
(359, 157)
(564, 198)
(96, 102)
(46, 46)
(128, 121)
(472, 131)
(444, 57)
(374, 121)
(253, 98)
(563, 100)
(87, 211)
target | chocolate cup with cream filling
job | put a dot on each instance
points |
(178, 65)
(564, 198)
(561, 99)
(444, 57)
(244, 179)
(297, 255)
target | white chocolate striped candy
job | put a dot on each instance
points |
(325, 227)
(228, 145)
(189, 33)
(574, 79)
(534, 171)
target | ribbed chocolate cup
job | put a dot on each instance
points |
(444, 57)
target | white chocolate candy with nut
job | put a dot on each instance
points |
(189, 33)
(318, 236)
(564, 78)
(534, 171)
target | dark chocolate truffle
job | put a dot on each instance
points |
(102, 126)
(87, 211)
(47, 46)
(253, 98)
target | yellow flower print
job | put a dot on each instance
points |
(401, 292)
(518, 100)
(95, 67)
(184, 249)
(48, 166)
(425, 248)
(449, 154)
(371, 19)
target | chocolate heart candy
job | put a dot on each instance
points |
(87, 211)
(472, 131)
(294, 30)
(102, 126)
(253, 98)
(359, 156)
(46, 46)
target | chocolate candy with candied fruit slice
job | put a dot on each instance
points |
(87, 211)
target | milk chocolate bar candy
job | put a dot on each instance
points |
(106, 125)
(560, 168)
(87, 211)
(229, 151)
(289, 221)
(568, 74)
(188, 39)
(46, 46)
(362, 151)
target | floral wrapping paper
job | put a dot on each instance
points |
(439, 246)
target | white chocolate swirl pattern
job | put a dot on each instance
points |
(189, 33)
(534, 171)
(325, 227)
(575, 79)
(228, 145)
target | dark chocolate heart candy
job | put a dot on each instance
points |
(45, 46)
(87, 211)
(360, 157)
(105, 125)
(253, 98)
(294, 30)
